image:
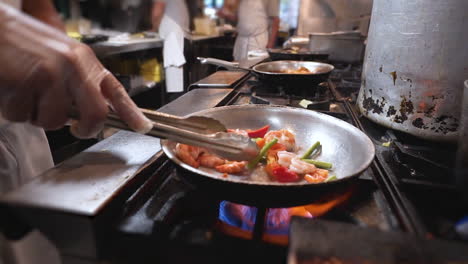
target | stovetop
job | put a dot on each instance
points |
(407, 188)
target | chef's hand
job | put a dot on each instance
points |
(44, 73)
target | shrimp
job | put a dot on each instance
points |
(284, 158)
(210, 160)
(284, 136)
(318, 176)
(272, 152)
(189, 154)
(232, 167)
(301, 167)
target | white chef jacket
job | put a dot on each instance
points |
(24, 154)
(174, 25)
(252, 26)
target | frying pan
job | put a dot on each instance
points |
(300, 55)
(270, 72)
(349, 149)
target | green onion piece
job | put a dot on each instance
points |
(331, 178)
(262, 153)
(319, 164)
(310, 150)
(256, 139)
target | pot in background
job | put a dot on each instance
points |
(415, 63)
(343, 46)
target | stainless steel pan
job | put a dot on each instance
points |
(350, 151)
(297, 55)
(271, 73)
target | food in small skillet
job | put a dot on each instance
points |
(277, 159)
(300, 70)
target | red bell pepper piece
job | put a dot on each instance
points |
(259, 133)
(283, 174)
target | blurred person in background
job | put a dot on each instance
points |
(44, 73)
(196, 8)
(171, 19)
(229, 11)
(257, 25)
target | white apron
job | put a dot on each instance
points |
(174, 25)
(252, 28)
(24, 154)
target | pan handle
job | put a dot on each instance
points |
(222, 63)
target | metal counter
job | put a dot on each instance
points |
(113, 47)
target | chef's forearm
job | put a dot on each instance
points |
(273, 32)
(43, 10)
(157, 14)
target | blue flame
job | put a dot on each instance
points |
(243, 217)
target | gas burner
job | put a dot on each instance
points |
(272, 224)
(424, 162)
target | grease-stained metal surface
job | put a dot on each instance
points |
(88, 181)
(414, 68)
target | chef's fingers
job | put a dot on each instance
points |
(92, 109)
(52, 108)
(123, 105)
(19, 103)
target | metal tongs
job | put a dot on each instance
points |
(198, 131)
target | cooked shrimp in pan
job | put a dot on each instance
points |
(189, 154)
(276, 159)
(301, 167)
(284, 158)
(284, 136)
(232, 167)
(210, 160)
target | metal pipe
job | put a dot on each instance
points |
(259, 227)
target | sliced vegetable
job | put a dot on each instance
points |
(283, 174)
(259, 133)
(319, 164)
(331, 178)
(260, 142)
(310, 150)
(262, 153)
